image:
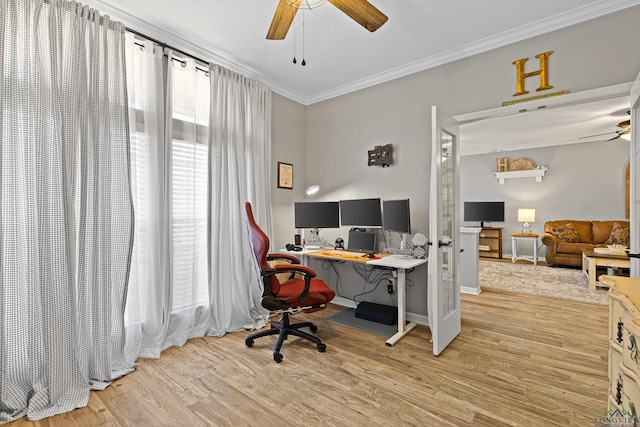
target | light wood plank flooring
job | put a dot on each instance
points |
(520, 360)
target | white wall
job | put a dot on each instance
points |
(584, 182)
(339, 131)
(288, 146)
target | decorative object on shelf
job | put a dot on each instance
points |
(522, 164)
(502, 164)
(543, 72)
(381, 155)
(285, 175)
(526, 215)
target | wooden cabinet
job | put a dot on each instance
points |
(624, 338)
(490, 242)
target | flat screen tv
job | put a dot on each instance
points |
(317, 215)
(361, 213)
(484, 212)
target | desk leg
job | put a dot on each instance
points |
(403, 329)
(514, 247)
(535, 251)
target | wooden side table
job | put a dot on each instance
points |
(526, 237)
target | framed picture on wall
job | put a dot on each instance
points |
(285, 175)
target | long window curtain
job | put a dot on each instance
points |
(239, 165)
(187, 129)
(168, 299)
(66, 227)
(148, 298)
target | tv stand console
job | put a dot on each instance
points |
(490, 242)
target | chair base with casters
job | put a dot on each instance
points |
(301, 292)
(283, 328)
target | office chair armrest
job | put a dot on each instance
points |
(306, 272)
(283, 257)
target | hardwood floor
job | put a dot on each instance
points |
(520, 360)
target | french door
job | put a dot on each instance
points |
(634, 192)
(444, 231)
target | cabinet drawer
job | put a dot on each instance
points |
(623, 386)
(626, 333)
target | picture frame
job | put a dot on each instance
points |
(285, 175)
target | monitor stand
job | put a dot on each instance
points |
(315, 239)
(403, 247)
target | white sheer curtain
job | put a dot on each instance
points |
(147, 299)
(168, 300)
(187, 130)
(239, 165)
(66, 217)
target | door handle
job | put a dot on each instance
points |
(441, 243)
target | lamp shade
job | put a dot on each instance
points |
(312, 190)
(526, 215)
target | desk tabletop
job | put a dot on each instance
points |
(341, 255)
(380, 260)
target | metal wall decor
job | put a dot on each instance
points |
(381, 155)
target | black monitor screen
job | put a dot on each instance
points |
(365, 213)
(362, 241)
(484, 211)
(396, 216)
(317, 215)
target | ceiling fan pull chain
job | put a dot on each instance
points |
(294, 43)
(303, 61)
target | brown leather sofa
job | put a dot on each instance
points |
(591, 234)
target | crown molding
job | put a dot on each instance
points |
(576, 16)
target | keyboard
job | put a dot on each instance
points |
(312, 247)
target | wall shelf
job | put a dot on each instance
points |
(532, 173)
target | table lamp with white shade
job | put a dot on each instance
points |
(526, 215)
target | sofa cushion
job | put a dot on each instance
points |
(619, 236)
(573, 248)
(585, 233)
(565, 233)
(602, 230)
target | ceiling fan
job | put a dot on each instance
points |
(624, 132)
(361, 11)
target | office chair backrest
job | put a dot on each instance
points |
(260, 246)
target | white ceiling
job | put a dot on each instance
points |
(341, 55)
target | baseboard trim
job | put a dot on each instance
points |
(470, 290)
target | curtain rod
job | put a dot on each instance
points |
(151, 39)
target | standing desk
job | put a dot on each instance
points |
(400, 263)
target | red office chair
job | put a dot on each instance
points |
(289, 297)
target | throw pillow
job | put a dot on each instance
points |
(619, 236)
(565, 233)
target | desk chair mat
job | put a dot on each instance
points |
(348, 317)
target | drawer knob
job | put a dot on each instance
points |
(620, 325)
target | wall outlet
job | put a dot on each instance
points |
(390, 288)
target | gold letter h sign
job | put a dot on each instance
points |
(543, 72)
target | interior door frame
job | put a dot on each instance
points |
(634, 161)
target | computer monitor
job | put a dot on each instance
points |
(362, 241)
(317, 215)
(361, 213)
(396, 217)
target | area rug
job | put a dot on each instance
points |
(555, 282)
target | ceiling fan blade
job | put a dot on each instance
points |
(361, 11)
(593, 136)
(282, 20)
(614, 138)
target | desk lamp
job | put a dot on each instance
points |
(526, 215)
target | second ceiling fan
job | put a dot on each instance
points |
(361, 11)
